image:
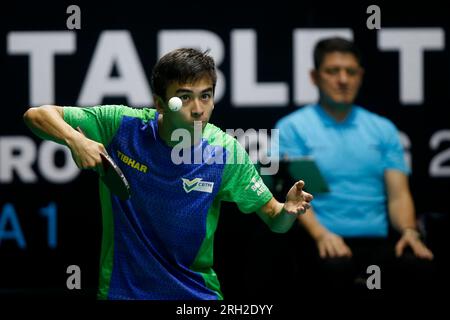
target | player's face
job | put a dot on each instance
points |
(339, 78)
(198, 102)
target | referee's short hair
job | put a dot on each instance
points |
(335, 44)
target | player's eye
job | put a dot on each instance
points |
(206, 96)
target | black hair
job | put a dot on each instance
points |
(184, 65)
(335, 44)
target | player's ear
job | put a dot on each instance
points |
(159, 104)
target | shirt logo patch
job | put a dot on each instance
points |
(197, 185)
(131, 162)
(257, 185)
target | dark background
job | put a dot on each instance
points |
(40, 270)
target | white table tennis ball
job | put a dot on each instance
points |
(175, 104)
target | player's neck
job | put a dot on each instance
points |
(165, 130)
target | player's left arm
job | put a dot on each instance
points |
(402, 215)
(280, 216)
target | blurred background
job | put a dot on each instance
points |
(49, 210)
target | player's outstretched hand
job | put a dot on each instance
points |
(297, 200)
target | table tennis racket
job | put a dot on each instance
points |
(112, 176)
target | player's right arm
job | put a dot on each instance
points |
(47, 122)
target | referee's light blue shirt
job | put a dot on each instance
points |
(353, 156)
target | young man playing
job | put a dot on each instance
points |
(159, 243)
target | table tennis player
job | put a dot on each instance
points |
(158, 244)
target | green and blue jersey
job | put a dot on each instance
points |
(159, 243)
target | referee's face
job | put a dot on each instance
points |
(339, 77)
(198, 103)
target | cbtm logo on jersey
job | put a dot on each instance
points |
(257, 185)
(131, 162)
(197, 184)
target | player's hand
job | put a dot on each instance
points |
(297, 200)
(410, 238)
(331, 245)
(86, 152)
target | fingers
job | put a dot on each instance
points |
(333, 246)
(296, 207)
(421, 251)
(427, 254)
(297, 201)
(322, 251)
(92, 160)
(346, 251)
(399, 247)
(88, 155)
(307, 196)
(330, 249)
(301, 209)
(102, 148)
(86, 152)
(300, 184)
(90, 163)
(340, 249)
(325, 249)
(296, 191)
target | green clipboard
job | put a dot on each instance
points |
(306, 169)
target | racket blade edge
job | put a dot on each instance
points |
(114, 178)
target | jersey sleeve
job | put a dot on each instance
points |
(241, 182)
(394, 157)
(99, 123)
